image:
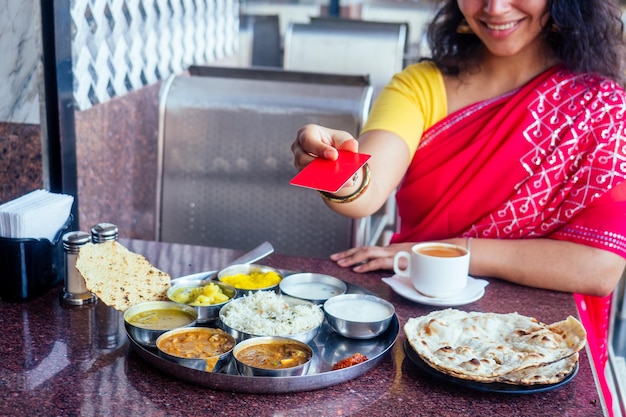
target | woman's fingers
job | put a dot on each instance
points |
(369, 258)
(317, 141)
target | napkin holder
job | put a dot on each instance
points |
(30, 267)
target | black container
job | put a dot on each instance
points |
(30, 267)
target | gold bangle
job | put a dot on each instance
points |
(346, 199)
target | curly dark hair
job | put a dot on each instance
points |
(589, 37)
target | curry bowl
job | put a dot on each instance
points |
(272, 356)
(249, 278)
(202, 348)
(358, 316)
(313, 287)
(145, 322)
(206, 298)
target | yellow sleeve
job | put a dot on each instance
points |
(413, 101)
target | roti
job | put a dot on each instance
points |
(551, 373)
(119, 277)
(492, 347)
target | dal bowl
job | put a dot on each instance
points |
(272, 356)
(358, 316)
(207, 298)
(250, 278)
(202, 348)
(265, 313)
(145, 322)
(316, 288)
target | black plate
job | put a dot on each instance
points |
(482, 386)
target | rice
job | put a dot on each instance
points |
(265, 313)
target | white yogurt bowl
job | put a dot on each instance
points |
(358, 316)
(313, 287)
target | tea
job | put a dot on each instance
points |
(436, 269)
(441, 251)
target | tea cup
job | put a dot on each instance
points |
(438, 270)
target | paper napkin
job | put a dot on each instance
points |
(37, 215)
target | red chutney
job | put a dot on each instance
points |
(351, 361)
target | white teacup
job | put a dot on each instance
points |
(436, 269)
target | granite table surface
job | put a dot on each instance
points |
(77, 361)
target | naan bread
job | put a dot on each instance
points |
(490, 347)
(119, 277)
(545, 374)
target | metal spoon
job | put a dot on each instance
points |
(202, 278)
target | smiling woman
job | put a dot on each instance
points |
(507, 27)
(511, 134)
(570, 30)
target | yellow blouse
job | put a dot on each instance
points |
(413, 101)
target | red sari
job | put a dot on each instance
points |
(546, 160)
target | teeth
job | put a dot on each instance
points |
(501, 27)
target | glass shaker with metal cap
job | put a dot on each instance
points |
(108, 319)
(102, 232)
(75, 291)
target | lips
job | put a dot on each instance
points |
(501, 26)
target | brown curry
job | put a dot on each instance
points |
(274, 355)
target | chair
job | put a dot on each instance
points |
(225, 158)
(287, 11)
(345, 46)
(416, 14)
(259, 41)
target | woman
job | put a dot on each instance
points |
(512, 135)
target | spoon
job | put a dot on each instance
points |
(202, 278)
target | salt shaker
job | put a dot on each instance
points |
(75, 291)
(102, 232)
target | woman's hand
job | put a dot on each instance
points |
(317, 141)
(389, 160)
(370, 258)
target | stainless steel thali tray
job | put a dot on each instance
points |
(328, 347)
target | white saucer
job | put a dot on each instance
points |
(474, 290)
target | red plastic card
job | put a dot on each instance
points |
(326, 175)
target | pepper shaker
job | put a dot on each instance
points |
(102, 232)
(108, 319)
(75, 291)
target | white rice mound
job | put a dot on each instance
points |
(265, 313)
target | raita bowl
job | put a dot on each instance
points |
(313, 287)
(358, 316)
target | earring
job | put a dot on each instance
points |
(554, 28)
(464, 28)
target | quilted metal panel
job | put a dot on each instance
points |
(227, 163)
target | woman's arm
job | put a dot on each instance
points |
(548, 263)
(542, 263)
